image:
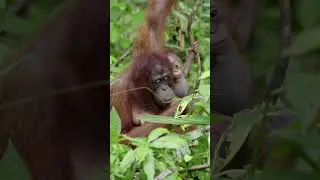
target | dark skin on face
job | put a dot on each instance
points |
(163, 93)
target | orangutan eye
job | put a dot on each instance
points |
(158, 81)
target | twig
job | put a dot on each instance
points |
(55, 92)
(165, 174)
(199, 167)
(193, 12)
(170, 171)
(123, 57)
(281, 66)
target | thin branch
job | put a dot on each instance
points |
(282, 63)
(55, 92)
(170, 171)
(127, 53)
(199, 167)
(165, 174)
(193, 12)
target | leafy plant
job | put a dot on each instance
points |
(163, 154)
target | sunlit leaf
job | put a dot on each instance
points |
(155, 134)
(200, 120)
(183, 105)
(170, 141)
(141, 153)
(115, 126)
(205, 75)
(149, 166)
(128, 160)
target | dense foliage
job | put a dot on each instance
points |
(15, 33)
(300, 98)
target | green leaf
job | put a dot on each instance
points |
(182, 5)
(308, 12)
(149, 166)
(183, 152)
(11, 165)
(114, 33)
(311, 145)
(204, 90)
(170, 141)
(155, 134)
(128, 160)
(3, 12)
(285, 175)
(205, 75)
(187, 158)
(182, 19)
(303, 92)
(141, 153)
(232, 173)
(306, 41)
(138, 141)
(112, 59)
(291, 133)
(183, 105)
(115, 126)
(241, 127)
(200, 120)
(138, 18)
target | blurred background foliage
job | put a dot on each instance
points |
(15, 32)
(301, 91)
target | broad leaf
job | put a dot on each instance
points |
(149, 166)
(115, 126)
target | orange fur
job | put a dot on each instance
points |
(151, 33)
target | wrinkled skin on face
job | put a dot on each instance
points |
(181, 86)
(161, 82)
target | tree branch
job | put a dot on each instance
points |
(282, 63)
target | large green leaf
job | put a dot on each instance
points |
(12, 167)
(200, 120)
(115, 126)
(149, 166)
(305, 41)
(286, 175)
(303, 92)
(241, 127)
(170, 141)
(308, 12)
(155, 134)
(128, 160)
